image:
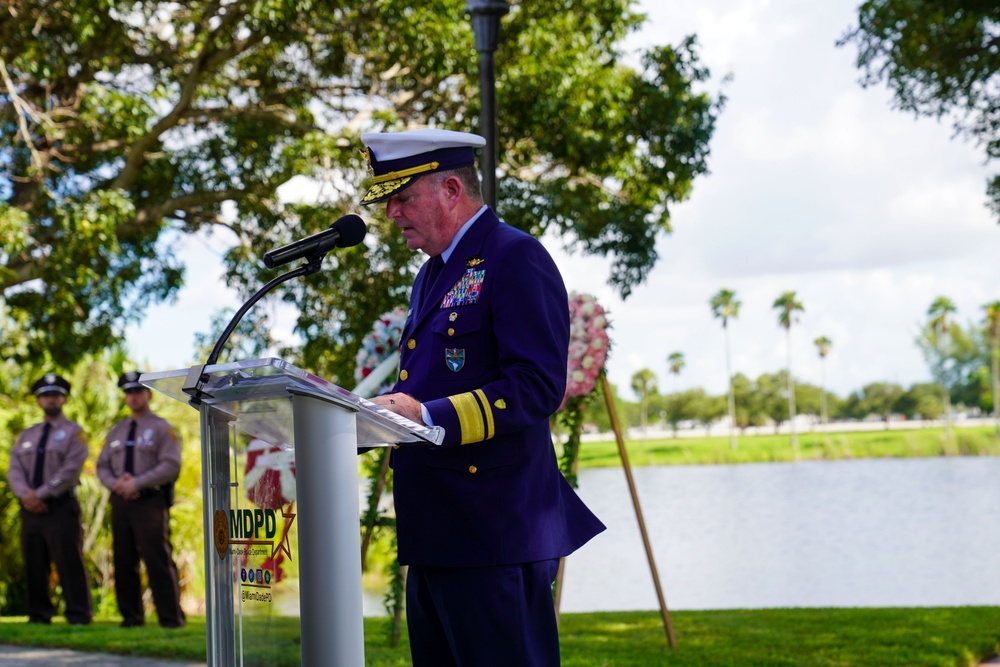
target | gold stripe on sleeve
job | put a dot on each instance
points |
(470, 419)
(487, 411)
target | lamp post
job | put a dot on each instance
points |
(486, 15)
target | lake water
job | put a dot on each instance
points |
(864, 533)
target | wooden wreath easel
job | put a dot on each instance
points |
(616, 426)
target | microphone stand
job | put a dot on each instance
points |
(197, 377)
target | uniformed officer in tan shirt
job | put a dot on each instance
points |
(140, 462)
(44, 472)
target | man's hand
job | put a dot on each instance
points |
(401, 404)
(34, 504)
(126, 488)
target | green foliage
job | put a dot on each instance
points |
(818, 446)
(938, 58)
(122, 120)
(878, 398)
(899, 637)
(685, 406)
(572, 418)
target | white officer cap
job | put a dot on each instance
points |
(397, 159)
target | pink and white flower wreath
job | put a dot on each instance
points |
(588, 345)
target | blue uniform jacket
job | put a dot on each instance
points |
(485, 349)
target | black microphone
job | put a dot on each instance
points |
(349, 231)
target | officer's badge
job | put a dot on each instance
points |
(466, 291)
(500, 404)
(475, 262)
(455, 358)
(220, 531)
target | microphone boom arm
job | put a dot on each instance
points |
(197, 377)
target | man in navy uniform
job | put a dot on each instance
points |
(483, 519)
(44, 472)
(140, 462)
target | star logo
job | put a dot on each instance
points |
(283, 546)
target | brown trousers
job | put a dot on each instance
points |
(56, 537)
(141, 529)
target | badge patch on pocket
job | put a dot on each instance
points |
(455, 358)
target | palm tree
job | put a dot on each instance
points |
(675, 362)
(939, 325)
(787, 308)
(823, 345)
(725, 305)
(643, 384)
(993, 327)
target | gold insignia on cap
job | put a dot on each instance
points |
(475, 261)
(382, 190)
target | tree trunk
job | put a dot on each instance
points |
(732, 396)
(791, 393)
(996, 386)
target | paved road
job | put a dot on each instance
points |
(21, 656)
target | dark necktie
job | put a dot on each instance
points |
(434, 266)
(130, 449)
(39, 476)
(434, 270)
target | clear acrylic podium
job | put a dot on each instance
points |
(281, 509)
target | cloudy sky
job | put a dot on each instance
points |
(816, 186)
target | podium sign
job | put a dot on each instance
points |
(281, 509)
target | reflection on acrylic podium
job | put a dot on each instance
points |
(281, 510)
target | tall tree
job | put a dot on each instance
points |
(939, 326)
(124, 125)
(823, 345)
(993, 333)
(675, 362)
(725, 305)
(939, 58)
(880, 398)
(643, 384)
(788, 308)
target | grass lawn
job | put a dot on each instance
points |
(903, 637)
(920, 637)
(923, 442)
